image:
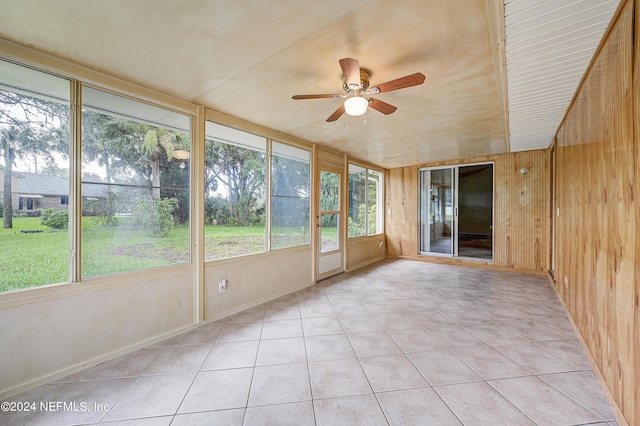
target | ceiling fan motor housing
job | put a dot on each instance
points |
(365, 74)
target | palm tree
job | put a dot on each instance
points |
(142, 147)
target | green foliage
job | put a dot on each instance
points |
(155, 216)
(54, 218)
(242, 172)
(216, 211)
(104, 211)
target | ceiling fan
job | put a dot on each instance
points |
(356, 86)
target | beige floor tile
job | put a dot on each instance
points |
(152, 396)
(296, 414)
(222, 417)
(254, 314)
(396, 321)
(317, 310)
(455, 336)
(179, 359)
(569, 350)
(325, 348)
(466, 316)
(150, 421)
(330, 379)
(84, 402)
(281, 351)
(286, 300)
(415, 340)
(417, 407)
(533, 397)
(235, 332)
(349, 307)
(281, 328)
(536, 359)
(130, 365)
(200, 335)
(442, 367)
(478, 404)
(397, 294)
(530, 330)
(232, 355)
(282, 313)
(489, 363)
(218, 390)
(382, 307)
(353, 410)
(370, 296)
(321, 326)
(495, 334)
(359, 323)
(279, 384)
(582, 387)
(373, 343)
(391, 372)
(34, 397)
(412, 305)
(458, 328)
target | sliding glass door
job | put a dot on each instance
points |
(436, 211)
(456, 211)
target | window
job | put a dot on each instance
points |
(290, 191)
(375, 203)
(34, 166)
(135, 185)
(365, 201)
(235, 185)
(236, 208)
(64, 200)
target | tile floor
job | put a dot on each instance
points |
(398, 343)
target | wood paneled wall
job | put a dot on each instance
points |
(597, 244)
(521, 211)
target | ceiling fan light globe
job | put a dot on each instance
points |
(356, 106)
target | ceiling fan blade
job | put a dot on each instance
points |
(336, 114)
(399, 83)
(315, 96)
(383, 107)
(351, 70)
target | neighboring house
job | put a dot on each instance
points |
(33, 191)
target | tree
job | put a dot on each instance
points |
(28, 126)
(290, 191)
(141, 146)
(242, 172)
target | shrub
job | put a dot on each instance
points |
(54, 218)
(216, 210)
(155, 216)
(104, 211)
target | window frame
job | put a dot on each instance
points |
(78, 77)
(379, 200)
(80, 199)
(269, 141)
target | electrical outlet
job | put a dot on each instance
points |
(566, 281)
(222, 286)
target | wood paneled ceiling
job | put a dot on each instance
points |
(247, 58)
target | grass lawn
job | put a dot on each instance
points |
(32, 259)
(35, 259)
